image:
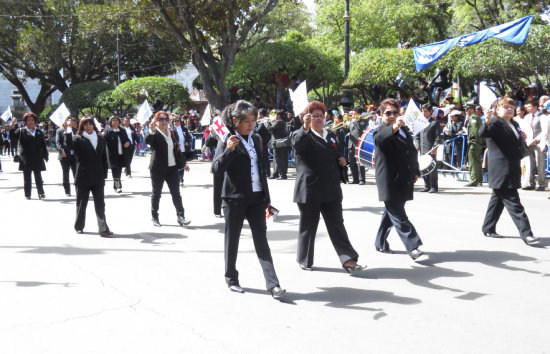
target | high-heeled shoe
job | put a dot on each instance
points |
(41, 196)
(236, 288)
(354, 269)
(277, 292)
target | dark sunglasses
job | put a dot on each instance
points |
(164, 119)
(389, 113)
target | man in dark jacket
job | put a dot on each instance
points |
(278, 131)
(356, 129)
(261, 129)
(426, 141)
(396, 172)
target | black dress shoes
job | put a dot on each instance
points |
(424, 190)
(433, 190)
(41, 196)
(156, 222)
(387, 250)
(277, 292)
(273, 177)
(106, 234)
(354, 269)
(492, 234)
(306, 267)
(530, 240)
(183, 221)
(415, 254)
(236, 289)
(79, 231)
(362, 183)
(218, 215)
(282, 177)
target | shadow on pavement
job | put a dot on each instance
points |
(495, 259)
(78, 251)
(150, 238)
(28, 284)
(368, 209)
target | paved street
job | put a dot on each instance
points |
(162, 290)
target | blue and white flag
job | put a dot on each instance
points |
(6, 115)
(514, 32)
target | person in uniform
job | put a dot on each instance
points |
(356, 129)
(280, 160)
(426, 141)
(66, 155)
(396, 172)
(475, 146)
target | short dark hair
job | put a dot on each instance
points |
(85, 120)
(239, 110)
(262, 112)
(427, 106)
(388, 102)
(110, 121)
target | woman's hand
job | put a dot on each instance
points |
(342, 162)
(186, 168)
(307, 122)
(126, 144)
(232, 142)
(153, 125)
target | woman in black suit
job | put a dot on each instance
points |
(245, 194)
(32, 153)
(164, 165)
(129, 150)
(317, 190)
(66, 155)
(504, 141)
(91, 171)
(117, 140)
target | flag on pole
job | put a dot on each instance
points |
(207, 116)
(299, 98)
(486, 96)
(60, 114)
(7, 114)
(144, 112)
(220, 129)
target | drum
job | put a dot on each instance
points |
(426, 165)
(364, 151)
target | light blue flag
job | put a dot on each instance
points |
(514, 32)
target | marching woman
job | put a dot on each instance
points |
(32, 153)
(245, 194)
(504, 141)
(66, 155)
(117, 140)
(90, 153)
(317, 190)
(128, 151)
(166, 160)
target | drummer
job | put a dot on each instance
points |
(426, 142)
(396, 172)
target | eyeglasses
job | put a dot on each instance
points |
(164, 119)
(317, 116)
(390, 113)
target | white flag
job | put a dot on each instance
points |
(220, 129)
(60, 115)
(7, 114)
(486, 96)
(414, 119)
(299, 98)
(144, 112)
(207, 116)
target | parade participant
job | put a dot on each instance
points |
(396, 172)
(184, 142)
(90, 151)
(340, 130)
(32, 153)
(356, 129)
(504, 141)
(280, 160)
(536, 146)
(475, 147)
(245, 194)
(165, 162)
(426, 142)
(217, 178)
(317, 190)
(261, 128)
(128, 152)
(116, 139)
(66, 155)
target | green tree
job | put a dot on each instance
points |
(166, 90)
(85, 95)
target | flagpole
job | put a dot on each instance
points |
(347, 92)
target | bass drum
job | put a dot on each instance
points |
(364, 151)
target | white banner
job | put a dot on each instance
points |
(414, 119)
(486, 96)
(220, 129)
(60, 115)
(299, 98)
(144, 112)
(207, 116)
(6, 115)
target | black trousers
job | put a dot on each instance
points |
(13, 147)
(395, 215)
(27, 182)
(128, 157)
(357, 171)
(116, 172)
(217, 192)
(82, 196)
(334, 221)
(508, 198)
(170, 176)
(430, 180)
(68, 164)
(264, 160)
(280, 162)
(235, 211)
(181, 175)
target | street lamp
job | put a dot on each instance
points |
(347, 92)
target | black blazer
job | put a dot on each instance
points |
(340, 134)
(504, 154)
(235, 165)
(32, 150)
(396, 163)
(91, 164)
(428, 138)
(60, 143)
(111, 138)
(261, 130)
(317, 169)
(159, 150)
(278, 129)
